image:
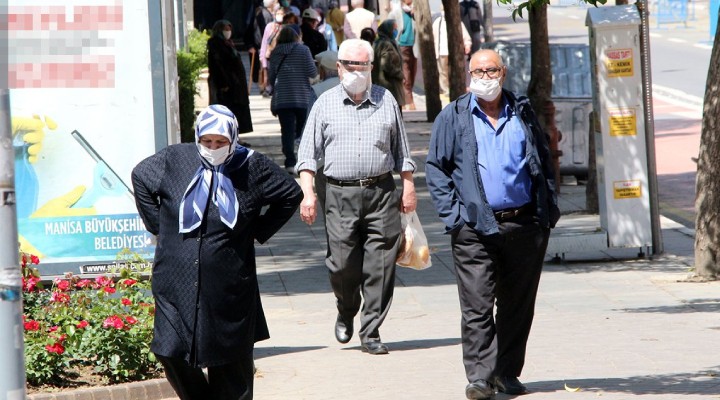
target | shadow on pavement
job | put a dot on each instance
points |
(682, 383)
(262, 352)
(421, 344)
(687, 307)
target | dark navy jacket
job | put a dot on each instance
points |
(208, 309)
(453, 178)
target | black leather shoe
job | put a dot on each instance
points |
(479, 390)
(510, 385)
(374, 347)
(343, 329)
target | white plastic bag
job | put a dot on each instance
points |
(414, 251)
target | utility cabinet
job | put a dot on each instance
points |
(621, 151)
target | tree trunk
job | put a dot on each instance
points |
(540, 87)
(707, 185)
(591, 190)
(431, 79)
(456, 49)
(488, 21)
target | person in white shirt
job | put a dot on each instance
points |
(357, 19)
(439, 28)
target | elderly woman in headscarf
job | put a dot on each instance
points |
(203, 201)
(227, 80)
(387, 65)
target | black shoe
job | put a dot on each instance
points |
(510, 385)
(374, 347)
(343, 329)
(479, 390)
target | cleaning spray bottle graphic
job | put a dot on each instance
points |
(28, 133)
(26, 181)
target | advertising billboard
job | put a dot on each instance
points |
(85, 109)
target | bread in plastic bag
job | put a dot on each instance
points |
(414, 251)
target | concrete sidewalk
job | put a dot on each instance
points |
(607, 322)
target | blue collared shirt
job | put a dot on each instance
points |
(502, 158)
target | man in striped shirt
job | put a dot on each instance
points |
(357, 129)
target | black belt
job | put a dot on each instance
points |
(359, 182)
(508, 213)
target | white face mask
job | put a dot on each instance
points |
(486, 89)
(278, 18)
(356, 82)
(215, 157)
(227, 34)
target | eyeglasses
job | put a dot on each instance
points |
(351, 66)
(492, 73)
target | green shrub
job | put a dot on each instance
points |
(190, 61)
(105, 324)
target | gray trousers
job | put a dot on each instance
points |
(504, 270)
(363, 228)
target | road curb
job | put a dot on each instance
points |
(153, 389)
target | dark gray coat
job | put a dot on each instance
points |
(204, 282)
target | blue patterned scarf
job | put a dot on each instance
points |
(218, 120)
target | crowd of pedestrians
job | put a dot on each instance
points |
(488, 170)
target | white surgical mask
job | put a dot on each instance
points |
(486, 89)
(227, 34)
(356, 82)
(278, 18)
(214, 157)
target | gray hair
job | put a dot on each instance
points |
(357, 3)
(348, 44)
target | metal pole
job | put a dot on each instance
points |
(657, 242)
(12, 373)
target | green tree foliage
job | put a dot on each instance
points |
(190, 61)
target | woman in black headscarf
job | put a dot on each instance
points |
(387, 65)
(227, 80)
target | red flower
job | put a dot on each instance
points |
(129, 282)
(53, 328)
(60, 297)
(55, 348)
(62, 284)
(104, 281)
(131, 320)
(82, 324)
(126, 301)
(31, 325)
(83, 283)
(108, 289)
(23, 260)
(113, 322)
(30, 283)
(34, 259)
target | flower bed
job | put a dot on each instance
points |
(78, 327)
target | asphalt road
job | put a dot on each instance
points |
(679, 57)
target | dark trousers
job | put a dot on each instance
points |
(225, 382)
(363, 228)
(292, 123)
(255, 71)
(504, 270)
(409, 68)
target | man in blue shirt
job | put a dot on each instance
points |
(490, 175)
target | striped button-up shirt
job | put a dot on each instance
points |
(356, 141)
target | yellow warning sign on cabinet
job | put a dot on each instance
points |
(627, 189)
(623, 122)
(619, 62)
